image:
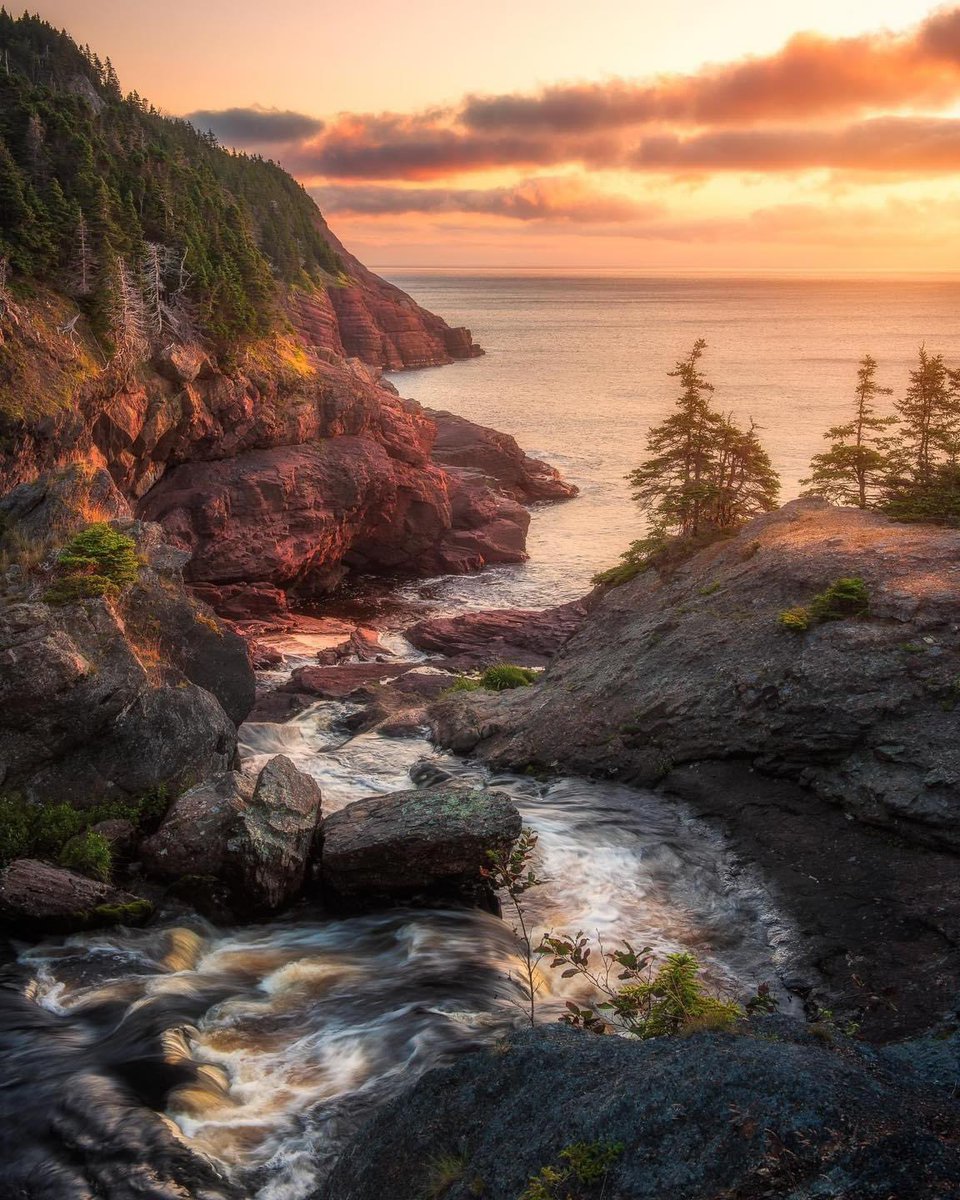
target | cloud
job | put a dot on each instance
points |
(894, 145)
(256, 126)
(546, 198)
(811, 76)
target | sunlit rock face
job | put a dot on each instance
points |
(696, 665)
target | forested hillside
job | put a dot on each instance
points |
(152, 227)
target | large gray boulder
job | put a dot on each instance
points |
(705, 1117)
(37, 897)
(693, 664)
(407, 842)
(253, 832)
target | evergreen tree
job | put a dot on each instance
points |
(853, 470)
(928, 418)
(703, 472)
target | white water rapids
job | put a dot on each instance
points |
(300, 1026)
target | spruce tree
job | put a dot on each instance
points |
(703, 472)
(853, 470)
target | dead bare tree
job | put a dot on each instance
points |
(129, 316)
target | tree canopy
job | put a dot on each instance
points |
(95, 185)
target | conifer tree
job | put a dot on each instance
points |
(703, 472)
(853, 470)
(928, 419)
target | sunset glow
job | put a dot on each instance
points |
(803, 138)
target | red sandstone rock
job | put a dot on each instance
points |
(523, 636)
(463, 444)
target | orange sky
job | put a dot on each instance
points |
(695, 135)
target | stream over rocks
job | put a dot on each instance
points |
(263, 1046)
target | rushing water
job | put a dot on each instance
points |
(275, 1040)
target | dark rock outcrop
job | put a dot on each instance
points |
(706, 1117)
(695, 665)
(417, 841)
(527, 637)
(102, 698)
(252, 832)
(38, 898)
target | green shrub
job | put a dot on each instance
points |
(52, 826)
(98, 561)
(844, 597)
(89, 853)
(586, 1164)
(45, 830)
(465, 683)
(503, 677)
(14, 828)
(796, 619)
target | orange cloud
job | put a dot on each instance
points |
(540, 199)
(811, 76)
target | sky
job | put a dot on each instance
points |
(623, 134)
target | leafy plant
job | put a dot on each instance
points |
(43, 830)
(586, 1164)
(509, 871)
(90, 854)
(641, 998)
(502, 677)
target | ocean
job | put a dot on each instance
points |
(576, 369)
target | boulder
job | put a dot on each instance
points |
(348, 681)
(38, 898)
(253, 832)
(414, 841)
(774, 1112)
(526, 637)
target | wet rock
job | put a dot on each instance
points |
(348, 681)
(408, 842)
(254, 833)
(527, 637)
(37, 898)
(780, 1113)
(279, 826)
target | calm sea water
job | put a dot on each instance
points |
(576, 365)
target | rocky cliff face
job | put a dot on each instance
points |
(696, 666)
(281, 471)
(380, 324)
